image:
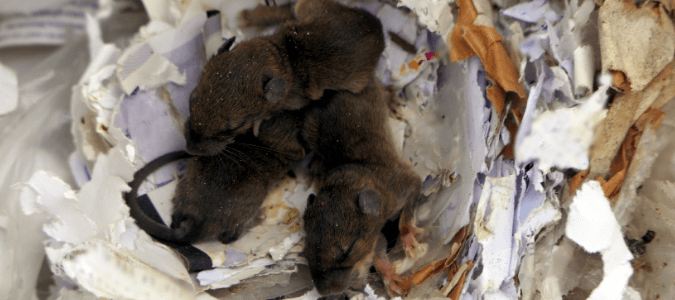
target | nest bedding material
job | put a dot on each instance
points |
(496, 137)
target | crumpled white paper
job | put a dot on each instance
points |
(447, 129)
(563, 138)
(592, 225)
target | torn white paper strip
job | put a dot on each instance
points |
(583, 70)
(155, 71)
(493, 225)
(592, 225)
(435, 15)
(226, 277)
(47, 194)
(531, 12)
(108, 272)
(278, 252)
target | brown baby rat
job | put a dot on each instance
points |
(221, 195)
(330, 46)
(364, 182)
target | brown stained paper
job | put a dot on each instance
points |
(639, 42)
(620, 165)
(457, 288)
(576, 181)
(468, 39)
(625, 110)
(438, 266)
(623, 159)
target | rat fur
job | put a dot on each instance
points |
(221, 195)
(330, 46)
(363, 183)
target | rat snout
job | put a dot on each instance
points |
(205, 148)
(332, 281)
(195, 144)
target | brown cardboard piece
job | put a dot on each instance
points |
(639, 42)
(624, 112)
(468, 39)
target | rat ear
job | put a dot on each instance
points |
(226, 46)
(275, 89)
(370, 203)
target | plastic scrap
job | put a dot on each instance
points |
(9, 89)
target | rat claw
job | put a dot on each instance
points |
(412, 247)
(394, 283)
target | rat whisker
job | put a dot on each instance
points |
(221, 159)
(227, 153)
(245, 158)
(267, 149)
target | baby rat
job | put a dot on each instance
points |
(330, 46)
(364, 183)
(221, 195)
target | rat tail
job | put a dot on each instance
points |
(154, 229)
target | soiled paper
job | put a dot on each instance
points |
(639, 42)
(626, 109)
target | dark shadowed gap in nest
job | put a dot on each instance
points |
(391, 232)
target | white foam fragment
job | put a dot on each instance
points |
(562, 138)
(592, 225)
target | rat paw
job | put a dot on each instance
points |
(409, 234)
(395, 284)
(229, 236)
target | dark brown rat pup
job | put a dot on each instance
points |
(329, 47)
(364, 183)
(221, 195)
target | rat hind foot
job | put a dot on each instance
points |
(409, 234)
(394, 283)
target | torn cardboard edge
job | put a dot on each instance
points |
(468, 39)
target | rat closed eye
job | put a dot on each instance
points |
(220, 195)
(364, 183)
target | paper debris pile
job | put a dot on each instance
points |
(534, 124)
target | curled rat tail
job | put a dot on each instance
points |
(153, 228)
